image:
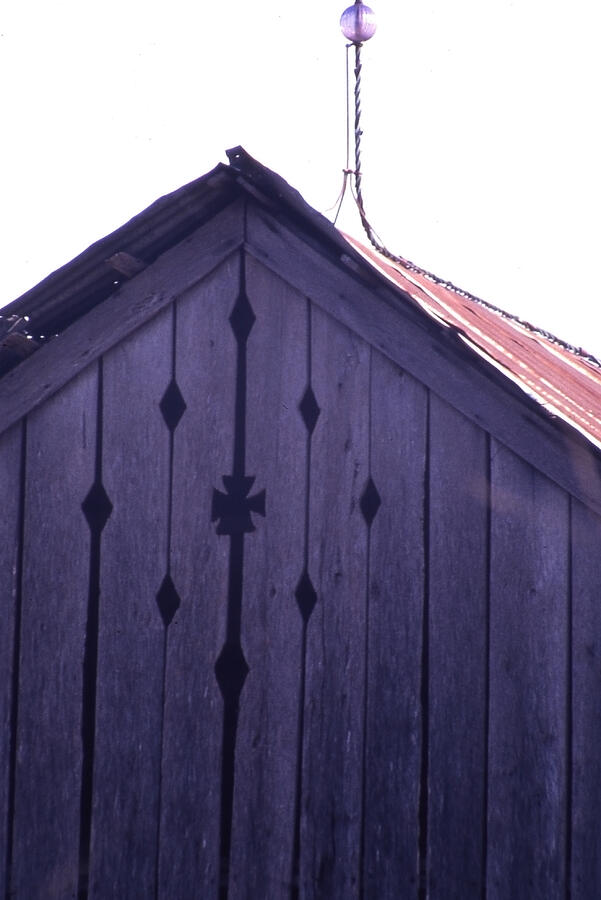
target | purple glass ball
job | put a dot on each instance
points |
(358, 23)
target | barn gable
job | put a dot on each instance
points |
(184, 236)
(301, 592)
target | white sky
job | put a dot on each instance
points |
(481, 147)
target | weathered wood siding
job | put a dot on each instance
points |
(11, 544)
(47, 770)
(278, 621)
(457, 611)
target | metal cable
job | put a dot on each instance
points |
(369, 230)
(347, 170)
(373, 239)
(401, 260)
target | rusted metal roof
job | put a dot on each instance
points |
(564, 380)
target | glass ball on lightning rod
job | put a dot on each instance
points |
(358, 23)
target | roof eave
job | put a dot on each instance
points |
(90, 278)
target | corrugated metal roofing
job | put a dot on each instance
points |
(563, 380)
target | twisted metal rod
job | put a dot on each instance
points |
(371, 234)
(401, 260)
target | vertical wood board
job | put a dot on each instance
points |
(586, 693)
(191, 771)
(458, 626)
(396, 590)
(528, 682)
(266, 752)
(10, 491)
(60, 471)
(333, 740)
(135, 465)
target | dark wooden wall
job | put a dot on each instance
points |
(380, 678)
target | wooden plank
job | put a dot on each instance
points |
(135, 474)
(333, 740)
(133, 304)
(433, 354)
(457, 654)
(528, 682)
(266, 753)
(10, 571)
(396, 593)
(191, 772)
(586, 711)
(60, 468)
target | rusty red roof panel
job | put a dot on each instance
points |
(563, 380)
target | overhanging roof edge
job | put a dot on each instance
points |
(83, 282)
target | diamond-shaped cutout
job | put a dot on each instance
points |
(242, 317)
(370, 501)
(97, 507)
(167, 600)
(172, 405)
(305, 596)
(231, 670)
(309, 409)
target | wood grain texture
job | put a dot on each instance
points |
(528, 682)
(266, 752)
(10, 491)
(586, 690)
(191, 772)
(136, 301)
(458, 625)
(60, 469)
(396, 592)
(333, 741)
(135, 467)
(434, 355)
